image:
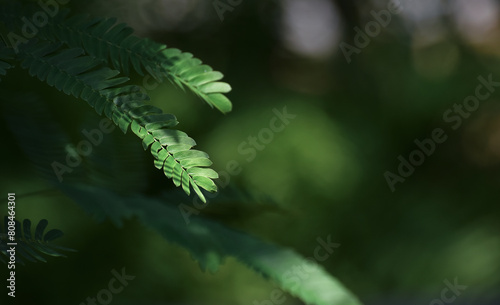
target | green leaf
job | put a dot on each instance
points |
(217, 87)
(221, 102)
(195, 162)
(190, 154)
(177, 173)
(205, 172)
(205, 183)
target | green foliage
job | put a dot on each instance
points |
(92, 59)
(73, 73)
(114, 44)
(30, 247)
(210, 242)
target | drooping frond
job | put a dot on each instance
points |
(210, 243)
(30, 247)
(114, 43)
(84, 77)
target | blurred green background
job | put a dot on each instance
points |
(325, 169)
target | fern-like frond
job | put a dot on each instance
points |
(114, 43)
(210, 243)
(70, 71)
(30, 246)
